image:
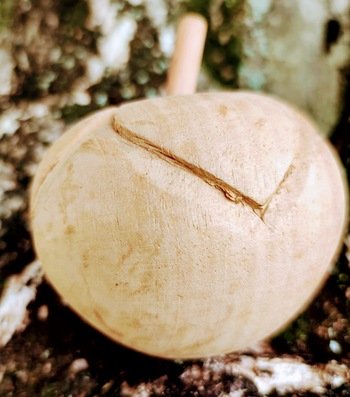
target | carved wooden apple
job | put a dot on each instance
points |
(189, 226)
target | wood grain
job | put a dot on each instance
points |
(133, 229)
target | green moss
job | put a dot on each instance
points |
(7, 8)
(223, 49)
(198, 6)
(37, 84)
(73, 113)
(73, 12)
(203, 6)
(298, 330)
(51, 390)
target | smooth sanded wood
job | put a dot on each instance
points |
(187, 58)
(189, 226)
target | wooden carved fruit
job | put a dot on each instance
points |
(189, 226)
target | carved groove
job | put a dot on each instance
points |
(230, 192)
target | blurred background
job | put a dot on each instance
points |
(60, 60)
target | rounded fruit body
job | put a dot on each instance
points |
(189, 226)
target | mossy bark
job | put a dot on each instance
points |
(297, 51)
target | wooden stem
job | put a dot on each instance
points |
(187, 57)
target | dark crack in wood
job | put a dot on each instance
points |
(230, 192)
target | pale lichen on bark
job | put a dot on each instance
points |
(18, 292)
(295, 50)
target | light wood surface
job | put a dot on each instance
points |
(187, 58)
(189, 226)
